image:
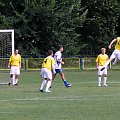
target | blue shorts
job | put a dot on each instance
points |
(58, 70)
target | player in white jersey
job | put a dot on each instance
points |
(59, 63)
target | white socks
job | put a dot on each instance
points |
(16, 80)
(12, 80)
(105, 79)
(48, 85)
(99, 81)
(43, 84)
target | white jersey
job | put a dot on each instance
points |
(58, 55)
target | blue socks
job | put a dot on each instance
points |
(65, 82)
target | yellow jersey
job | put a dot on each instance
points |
(48, 62)
(15, 60)
(117, 46)
(102, 59)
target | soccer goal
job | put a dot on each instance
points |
(6, 49)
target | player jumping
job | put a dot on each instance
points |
(15, 66)
(47, 66)
(59, 63)
(116, 54)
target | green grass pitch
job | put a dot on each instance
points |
(83, 101)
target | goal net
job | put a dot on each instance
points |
(6, 49)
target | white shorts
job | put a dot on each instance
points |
(115, 54)
(15, 70)
(46, 73)
(103, 71)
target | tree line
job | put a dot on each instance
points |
(81, 26)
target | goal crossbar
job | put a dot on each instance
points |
(9, 30)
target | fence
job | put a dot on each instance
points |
(35, 63)
(82, 63)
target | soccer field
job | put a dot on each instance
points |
(83, 101)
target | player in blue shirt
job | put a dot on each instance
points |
(59, 63)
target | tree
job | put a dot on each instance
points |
(68, 15)
(41, 24)
(100, 25)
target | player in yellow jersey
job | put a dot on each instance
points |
(116, 54)
(15, 66)
(48, 66)
(100, 62)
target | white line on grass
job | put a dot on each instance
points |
(50, 99)
(7, 112)
(95, 82)
(75, 98)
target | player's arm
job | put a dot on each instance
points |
(97, 65)
(9, 63)
(97, 62)
(110, 45)
(53, 66)
(58, 58)
(60, 61)
(20, 65)
(20, 62)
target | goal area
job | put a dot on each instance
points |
(6, 49)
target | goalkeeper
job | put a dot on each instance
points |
(15, 66)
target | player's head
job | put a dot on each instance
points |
(50, 52)
(103, 50)
(16, 51)
(60, 48)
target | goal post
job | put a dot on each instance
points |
(6, 49)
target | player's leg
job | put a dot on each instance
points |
(53, 77)
(113, 56)
(16, 79)
(48, 85)
(99, 76)
(12, 72)
(99, 80)
(17, 73)
(49, 81)
(105, 81)
(47, 75)
(11, 79)
(115, 61)
(44, 76)
(117, 56)
(105, 77)
(64, 79)
(43, 84)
